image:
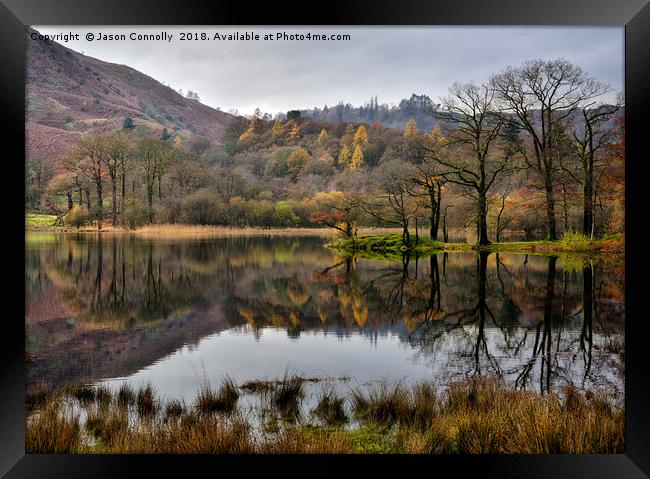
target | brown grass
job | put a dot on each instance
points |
(53, 431)
(475, 417)
(207, 231)
(146, 402)
(224, 400)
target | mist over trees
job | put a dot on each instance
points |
(533, 152)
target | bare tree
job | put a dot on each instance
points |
(151, 157)
(591, 132)
(116, 158)
(87, 157)
(477, 126)
(538, 96)
(427, 176)
(392, 200)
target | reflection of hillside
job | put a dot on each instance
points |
(91, 354)
(108, 307)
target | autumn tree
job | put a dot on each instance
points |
(475, 166)
(591, 133)
(296, 161)
(294, 133)
(411, 129)
(88, 156)
(63, 183)
(339, 210)
(151, 157)
(361, 137)
(115, 159)
(391, 201)
(426, 175)
(357, 158)
(344, 156)
(322, 137)
(538, 96)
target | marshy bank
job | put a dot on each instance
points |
(393, 246)
(471, 416)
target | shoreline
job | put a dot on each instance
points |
(371, 242)
(391, 246)
(181, 230)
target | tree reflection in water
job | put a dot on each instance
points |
(101, 307)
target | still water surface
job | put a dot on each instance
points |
(174, 312)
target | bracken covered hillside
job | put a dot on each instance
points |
(68, 94)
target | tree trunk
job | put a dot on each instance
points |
(88, 200)
(435, 212)
(81, 196)
(482, 220)
(70, 204)
(445, 236)
(114, 202)
(123, 194)
(406, 238)
(417, 235)
(100, 204)
(588, 206)
(150, 186)
(565, 209)
(551, 229)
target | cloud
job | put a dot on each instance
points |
(391, 63)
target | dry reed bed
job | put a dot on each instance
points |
(208, 231)
(474, 416)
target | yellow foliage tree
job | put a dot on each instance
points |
(294, 133)
(411, 129)
(361, 136)
(322, 138)
(357, 158)
(277, 128)
(344, 156)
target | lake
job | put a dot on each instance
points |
(117, 308)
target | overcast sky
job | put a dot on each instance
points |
(391, 62)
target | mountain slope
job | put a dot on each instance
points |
(68, 94)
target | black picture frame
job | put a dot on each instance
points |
(634, 15)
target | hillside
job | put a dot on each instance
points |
(68, 94)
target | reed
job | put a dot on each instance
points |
(478, 416)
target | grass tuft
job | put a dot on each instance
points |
(146, 401)
(287, 396)
(381, 405)
(330, 409)
(473, 416)
(174, 409)
(223, 401)
(84, 393)
(125, 396)
(52, 431)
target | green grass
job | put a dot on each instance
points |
(385, 246)
(391, 246)
(37, 220)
